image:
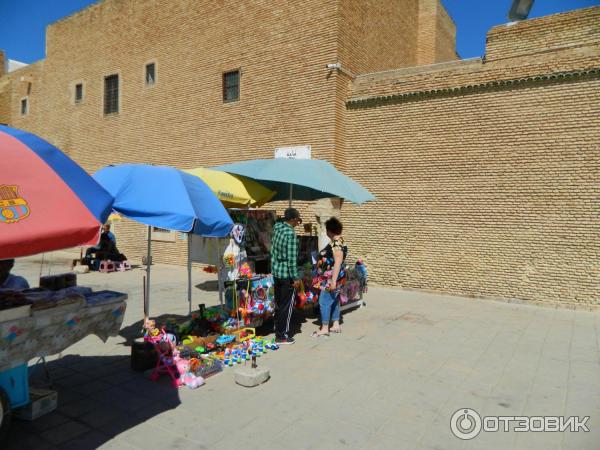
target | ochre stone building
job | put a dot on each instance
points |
(485, 171)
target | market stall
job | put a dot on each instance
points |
(242, 264)
(310, 179)
(51, 321)
(235, 192)
(49, 204)
(171, 199)
(225, 335)
(42, 322)
(164, 197)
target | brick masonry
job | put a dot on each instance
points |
(488, 170)
(287, 95)
(484, 170)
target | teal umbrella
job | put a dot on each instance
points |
(300, 179)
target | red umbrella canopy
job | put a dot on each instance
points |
(47, 201)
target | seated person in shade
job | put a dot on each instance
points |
(106, 250)
(8, 280)
(105, 232)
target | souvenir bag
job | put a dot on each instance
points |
(324, 269)
(262, 295)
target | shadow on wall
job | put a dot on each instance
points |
(99, 397)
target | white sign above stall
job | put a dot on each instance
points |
(298, 152)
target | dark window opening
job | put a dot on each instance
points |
(150, 73)
(111, 94)
(78, 93)
(231, 86)
(24, 107)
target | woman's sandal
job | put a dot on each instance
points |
(316, 334)
(335, 330)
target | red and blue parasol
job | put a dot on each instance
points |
(47, 202)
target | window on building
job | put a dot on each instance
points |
(231, 86)
(24, 107)
(111, 94)
(150, 74)
(78, 92)
(162, 234)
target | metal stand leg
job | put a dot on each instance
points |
(47, 378)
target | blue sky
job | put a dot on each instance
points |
(23, 22)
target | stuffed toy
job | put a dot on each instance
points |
(186, 377)
(245, 271)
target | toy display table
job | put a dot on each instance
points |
(47, 333)
(56, 329)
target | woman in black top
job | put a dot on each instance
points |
(331, 273)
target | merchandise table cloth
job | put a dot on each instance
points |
(52, 332)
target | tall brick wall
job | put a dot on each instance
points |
(26, 82)
(436, 37)
(485, 173)
(445, 36)
(286, 96)
(5, 99)
(377, 35)
(577, 28)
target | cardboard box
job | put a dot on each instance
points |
(42, 402)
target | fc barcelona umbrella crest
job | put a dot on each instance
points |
(12, 207)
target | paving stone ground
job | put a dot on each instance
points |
(392, 380)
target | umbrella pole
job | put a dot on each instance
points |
(219, 271)
(291, 191)
(148, 265)
(144, 290)
(189, 268)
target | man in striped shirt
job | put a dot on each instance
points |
(284, 266)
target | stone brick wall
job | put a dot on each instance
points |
(379, 35)
(485, 172)
(436, 35)
(5, 100)
(577, 28)
(445, 36)
(287, 95)
(376, 35)
(26, 82)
